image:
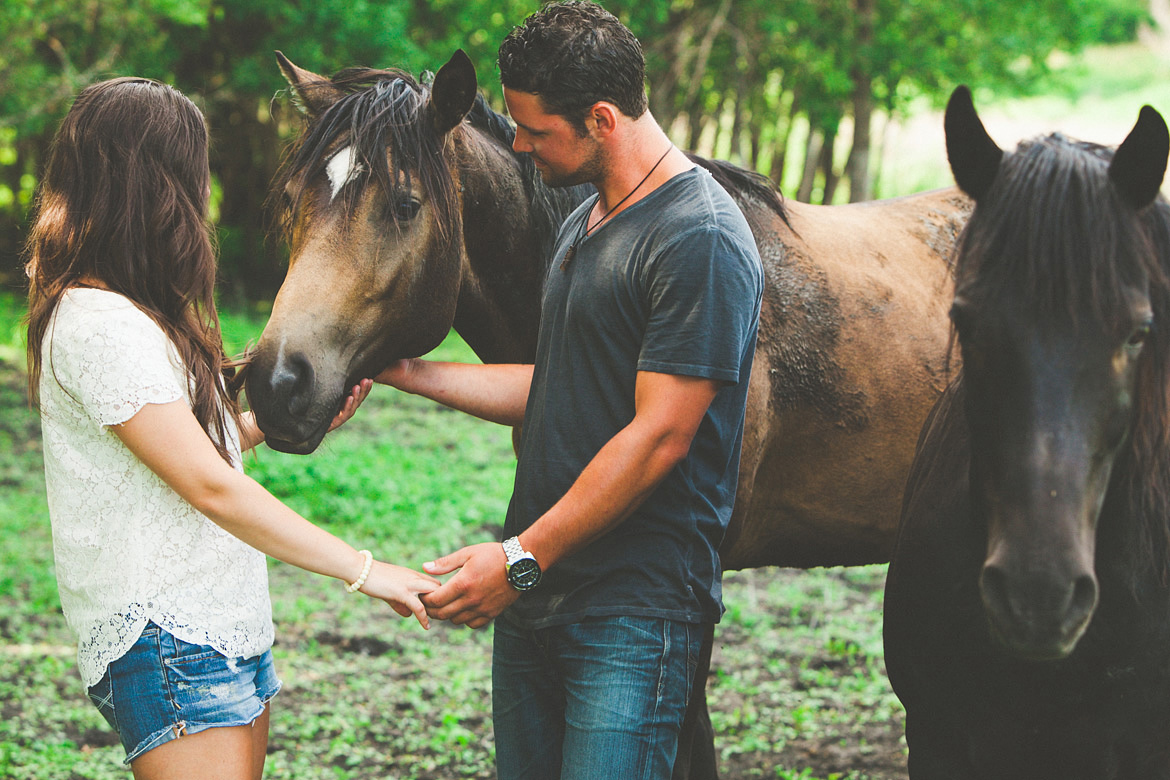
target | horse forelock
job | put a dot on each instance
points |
(383, 119)
(1053, 231)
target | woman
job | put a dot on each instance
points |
(159, 537)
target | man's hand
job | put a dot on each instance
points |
(351, 403)
(477, 593)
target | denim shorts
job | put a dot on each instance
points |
(163, 688)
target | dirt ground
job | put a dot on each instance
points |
(805, 655)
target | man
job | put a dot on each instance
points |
(632, 421)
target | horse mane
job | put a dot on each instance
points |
(1148, 470)
(550, 206)
(386, 109)
(379, 109)
(1053, 226)
(553, 205)
(742, 183)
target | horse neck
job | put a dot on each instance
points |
(505, 242)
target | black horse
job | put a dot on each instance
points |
(1027, 615)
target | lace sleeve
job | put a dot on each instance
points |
(113, 360)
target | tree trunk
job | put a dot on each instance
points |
(755, 138)
(692, 101)
(858, 167)
(664, 90)
(245, 167)
(831, 175)
(781, 138)
(812, 156)
(739, 122)
(694, 126)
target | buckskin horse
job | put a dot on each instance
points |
(408, 213)
(1027, 612)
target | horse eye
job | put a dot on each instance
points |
(1139, 335)
(406, 209)
(961, 315)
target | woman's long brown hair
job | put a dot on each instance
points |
(122, 204)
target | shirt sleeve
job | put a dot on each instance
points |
(704, 294)
(112, 360)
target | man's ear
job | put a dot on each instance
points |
(602, 118)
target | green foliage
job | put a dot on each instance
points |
(54, 47)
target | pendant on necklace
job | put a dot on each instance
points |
(570, 253)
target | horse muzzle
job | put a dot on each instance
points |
(291, 409)
(1036, 615)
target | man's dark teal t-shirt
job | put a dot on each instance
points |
(672, 285)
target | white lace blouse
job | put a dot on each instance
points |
(128, 549)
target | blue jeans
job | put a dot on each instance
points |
(603, 698)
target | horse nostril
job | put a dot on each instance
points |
(293, 379)
(1084, 600)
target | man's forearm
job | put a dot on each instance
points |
(615, 483)
(497, 392)
(627, 469)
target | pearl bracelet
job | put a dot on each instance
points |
(357, 584)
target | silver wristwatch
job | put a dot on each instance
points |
(522, 569)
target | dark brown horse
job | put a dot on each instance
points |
(1027, 613)
(408, 213)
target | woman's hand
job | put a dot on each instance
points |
(400, 587)
(352, 402)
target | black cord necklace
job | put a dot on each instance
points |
(571, 252)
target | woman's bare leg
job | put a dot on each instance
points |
(225, 753)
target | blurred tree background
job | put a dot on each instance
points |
(790, 88)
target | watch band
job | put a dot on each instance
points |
(513, 549)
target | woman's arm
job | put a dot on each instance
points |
(169, 440)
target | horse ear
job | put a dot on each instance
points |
(1140, 162)
(314, 93)
(974, 157)
(453, 92)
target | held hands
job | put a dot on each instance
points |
(352, 401)
(477, 593)
(400, 587)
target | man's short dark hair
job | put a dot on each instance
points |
(574, 54)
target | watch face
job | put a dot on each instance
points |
(524, 574)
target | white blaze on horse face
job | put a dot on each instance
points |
(342, 170)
